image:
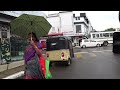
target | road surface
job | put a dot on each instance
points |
(90, 63)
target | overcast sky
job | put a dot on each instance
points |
(100, 20)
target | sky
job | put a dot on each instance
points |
(100, 20)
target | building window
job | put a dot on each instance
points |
(97, 35)
(93, 35)
(86, 41)
(111, 34)
(78, 28)
(106, 34)
(100, 35)
(78, 18)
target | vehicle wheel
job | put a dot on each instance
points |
(98, 45)
(73, 55)
(51, 64)
(84, 46)
(105, 43)
(67, 63)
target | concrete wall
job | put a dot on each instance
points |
(55, 22)
(67, 22)
(62, 21)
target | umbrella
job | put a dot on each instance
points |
(26, 23)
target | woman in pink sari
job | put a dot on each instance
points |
(32, 55)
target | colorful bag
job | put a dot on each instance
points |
(45, 67)
(48, 73)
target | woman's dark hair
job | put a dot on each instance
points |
(34, 35)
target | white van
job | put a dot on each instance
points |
(89, 43)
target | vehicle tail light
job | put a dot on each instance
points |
(62, 54)
(47, 55)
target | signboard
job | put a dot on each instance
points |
(72, 34)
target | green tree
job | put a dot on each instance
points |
(109, 29)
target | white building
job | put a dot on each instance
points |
(70, 25)
(82, 25)
(61, 22)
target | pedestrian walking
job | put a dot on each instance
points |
(32, 54)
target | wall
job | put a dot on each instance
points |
(66, 21)
(55, 22)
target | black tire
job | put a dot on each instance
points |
(105, 43)
(84, 46)
(98, 45)
(67, 63)
(73, 55)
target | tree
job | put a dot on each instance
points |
(109, 29)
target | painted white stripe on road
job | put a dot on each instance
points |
(97, 51)
(107, 50)
(80, 52)
(15, 76)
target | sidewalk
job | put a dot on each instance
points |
(11, 71)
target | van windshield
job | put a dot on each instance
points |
(56, 44)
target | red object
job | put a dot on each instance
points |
(55, 34)
(42, 63)
(62, 54)
(47, 55)
(43, 42)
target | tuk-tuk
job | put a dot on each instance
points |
(59, 49)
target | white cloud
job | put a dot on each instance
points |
(100, 20)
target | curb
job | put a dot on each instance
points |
(15, 76)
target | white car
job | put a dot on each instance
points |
(89, 43)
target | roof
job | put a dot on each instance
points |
(7, 16)
(67, 38)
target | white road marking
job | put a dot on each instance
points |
(80, 52)
(15, 76)
(97, 51)
(107, 50)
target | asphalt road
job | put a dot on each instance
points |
(90, 63)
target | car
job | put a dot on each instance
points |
(89, 43)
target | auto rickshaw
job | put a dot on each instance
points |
(59, 49)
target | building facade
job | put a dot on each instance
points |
(11, 46)
(70, 25)
(61, 22)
